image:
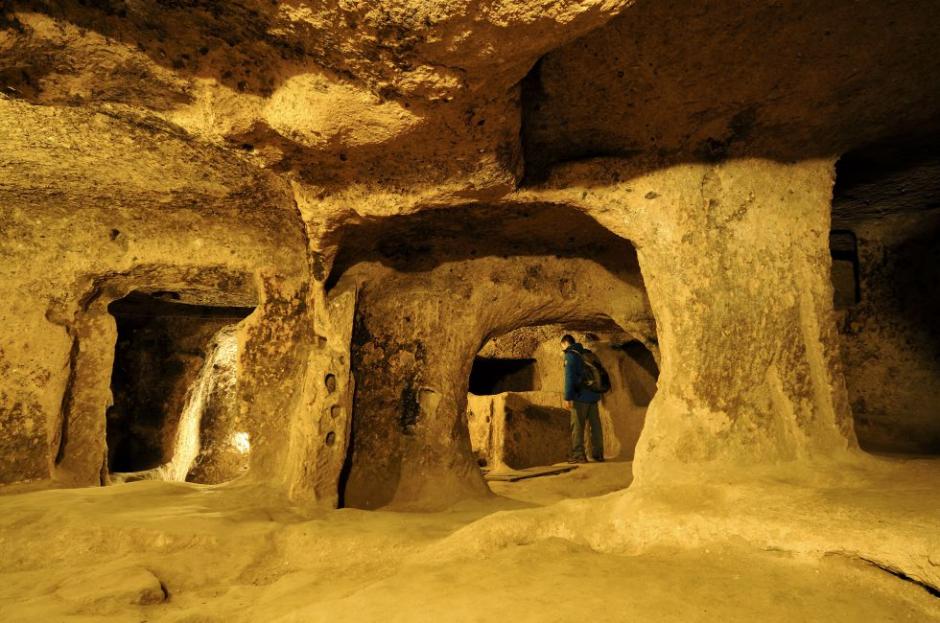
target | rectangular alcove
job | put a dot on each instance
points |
(490, 376)
(162, 345)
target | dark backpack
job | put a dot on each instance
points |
(593, 375)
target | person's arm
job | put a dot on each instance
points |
(571, 376)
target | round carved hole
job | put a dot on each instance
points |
(335, 411)
(330, 382)
(330, 438)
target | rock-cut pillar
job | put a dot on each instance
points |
(737, 267)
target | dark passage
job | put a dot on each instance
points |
(885, 244)
(843, 246)
(161, 346)
(495, 376)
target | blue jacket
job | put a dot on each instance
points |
(574, 368)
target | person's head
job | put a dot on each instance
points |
(566, 341)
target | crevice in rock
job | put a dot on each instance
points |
(534, 170)
(901, 575)
(67, 397)
(166, 591)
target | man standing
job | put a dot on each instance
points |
(582, 403)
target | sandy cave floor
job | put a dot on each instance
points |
(228, 554)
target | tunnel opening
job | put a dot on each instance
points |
(433, 288)
(886, 220)
(174, 412)
(518, 435)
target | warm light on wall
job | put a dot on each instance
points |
(222, 354)
(241, 442)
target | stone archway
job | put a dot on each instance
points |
(518, 425)
(429, 299)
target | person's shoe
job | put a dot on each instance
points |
(577, 460)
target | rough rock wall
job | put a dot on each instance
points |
(885, 200)
(222, 444)
(314, 437)
(95, 207)
(516, 430)
(634, 375)
(333, 93)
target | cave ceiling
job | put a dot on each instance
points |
(479, 96)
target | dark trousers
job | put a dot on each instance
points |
(581, 412)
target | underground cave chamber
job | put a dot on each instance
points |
(174, 385)
(418, 199)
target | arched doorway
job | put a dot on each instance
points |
(520, 431)
(432, 289)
